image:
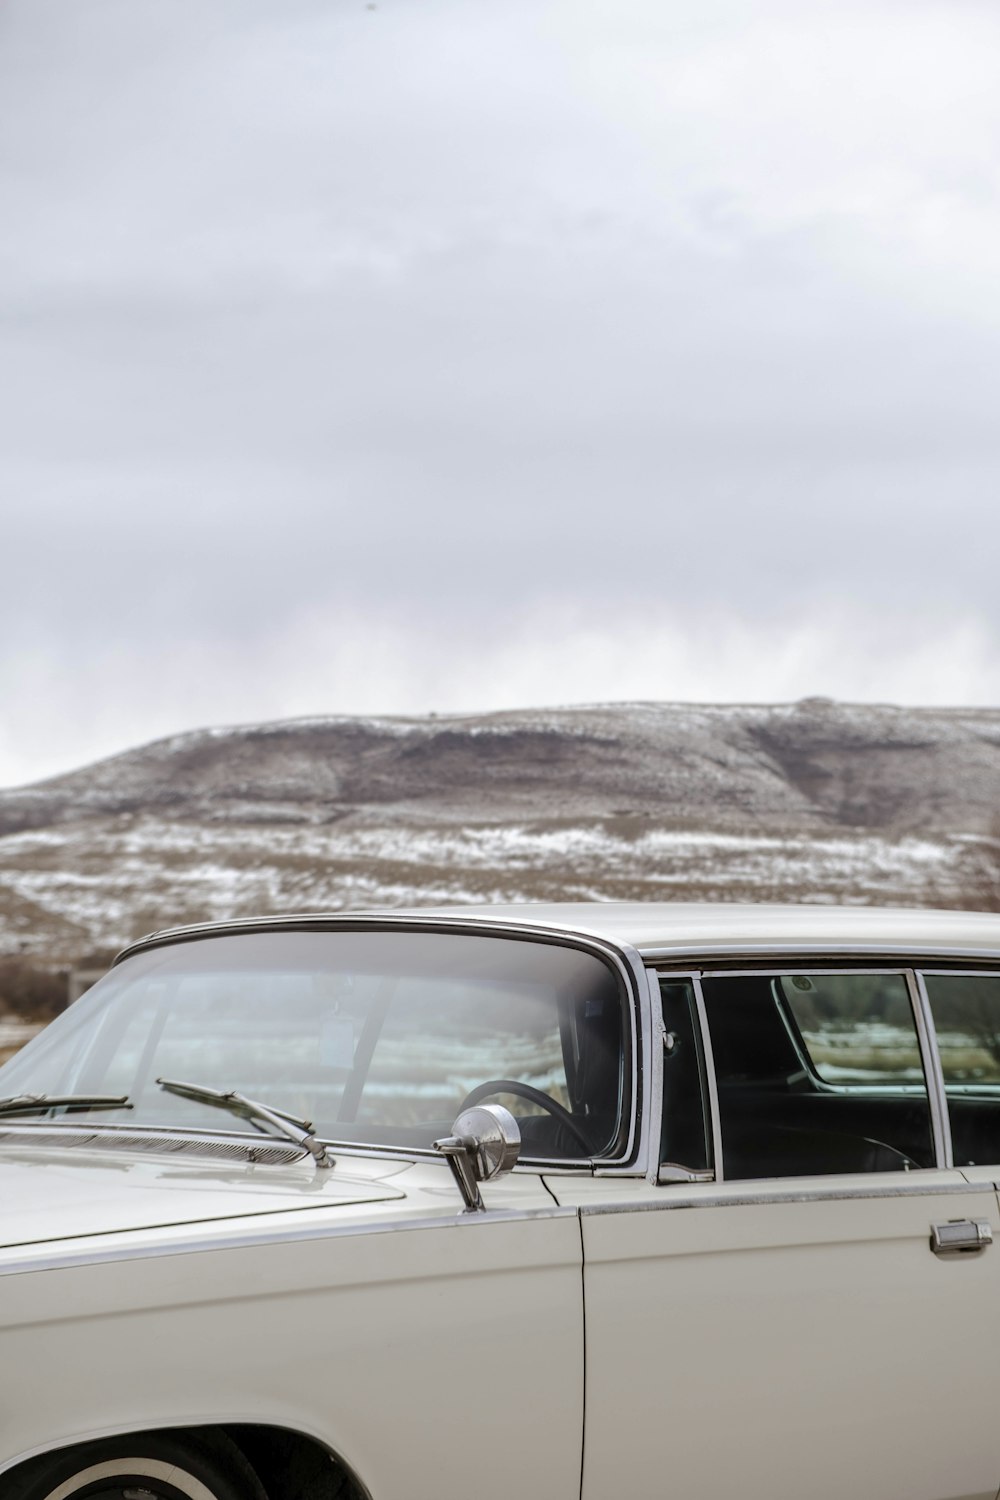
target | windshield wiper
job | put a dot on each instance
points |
(23, 1104)
(291, 1126)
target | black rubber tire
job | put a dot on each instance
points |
(159, 1465)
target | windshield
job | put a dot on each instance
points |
(375, 1036)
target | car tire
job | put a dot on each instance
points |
(149, 1467)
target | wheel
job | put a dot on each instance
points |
(527, 1091)
(151, 1466)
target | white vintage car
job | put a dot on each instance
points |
(551, 1201)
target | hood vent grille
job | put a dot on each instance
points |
(47, 1137)
(265, 1153)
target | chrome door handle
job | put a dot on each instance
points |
(961, 1236)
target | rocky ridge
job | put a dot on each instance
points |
(809, 801)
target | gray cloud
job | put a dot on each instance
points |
(452, 355)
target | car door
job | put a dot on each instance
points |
(794, 1332)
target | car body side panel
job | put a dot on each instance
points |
(437, 1360)
(759, 1339)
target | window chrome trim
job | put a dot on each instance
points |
(704, 955)
(779, 969)
(933, 1072)
(952, 973)
(771, 1194)
(711, 1081)
(633, 1158)
(657, 1032)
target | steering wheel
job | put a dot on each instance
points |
(527, 1091)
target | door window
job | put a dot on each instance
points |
(818, 1073)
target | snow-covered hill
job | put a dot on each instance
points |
(812, 801)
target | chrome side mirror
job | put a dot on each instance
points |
(485, 1141)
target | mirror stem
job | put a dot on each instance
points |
(459, 1151)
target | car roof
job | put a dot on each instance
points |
(673, 930)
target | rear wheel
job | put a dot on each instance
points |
(152, 1467)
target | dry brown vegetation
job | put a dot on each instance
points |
(976, 873)
(30, 989)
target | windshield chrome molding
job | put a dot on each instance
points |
(67, 1255)
(363, 1150)
(933, 1071)
(428, 921)
(770, 1195)
(633, 1158)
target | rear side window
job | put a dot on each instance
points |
(854, 1029)
(818, 1073)
(966, 1012)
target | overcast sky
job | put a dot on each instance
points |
(470, 354)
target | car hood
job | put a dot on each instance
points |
(55, 1193)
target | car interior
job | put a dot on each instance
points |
(778, 1116)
